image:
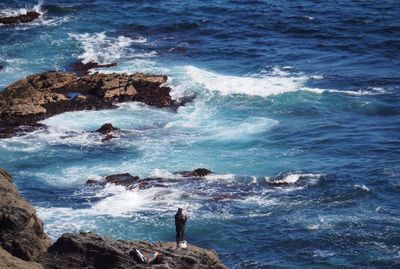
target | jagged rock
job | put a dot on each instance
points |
(199, 172)
(9, 261)
(43, 95)
(21, 232)
(87, 250)
(82, 69)
(23, 18)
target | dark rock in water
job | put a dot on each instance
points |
(1, 67)
(82, 69)
(8, 132)
(125, 179)
(87, 250)
(107, 128)
(199, 172)
(21, 232)
(93, 182)
(43, 95)
(122, 179)
(23, 18)
(108, 131)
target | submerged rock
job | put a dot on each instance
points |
(23, 18)
(22, 236)
(43, 95)
(21, 232)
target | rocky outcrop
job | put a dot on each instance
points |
(43, 95)
(21, 232)
(22, 236)
(22, 18)
(87, 250)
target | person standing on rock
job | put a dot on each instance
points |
(180, 223)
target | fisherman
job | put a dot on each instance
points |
(180, 222)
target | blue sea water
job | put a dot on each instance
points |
(304, 92)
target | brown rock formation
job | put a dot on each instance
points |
(23, 18)
(43, 95)
(21, 232)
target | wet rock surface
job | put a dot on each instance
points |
(22, 238)
(23, 18)
(108, 131)
(43, 95)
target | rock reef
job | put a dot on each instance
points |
(22, 18)
(23, 244)
(40, 96)
(132, 182)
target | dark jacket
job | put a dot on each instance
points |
(180, 221)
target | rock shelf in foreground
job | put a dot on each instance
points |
(23, 243)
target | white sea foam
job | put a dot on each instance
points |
(102, 49)
(362, 187)
(364, 92)
(276, 83)
(292, 178)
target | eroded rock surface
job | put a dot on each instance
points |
(21, 232)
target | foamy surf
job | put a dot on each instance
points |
(265, 85)
(103, 49)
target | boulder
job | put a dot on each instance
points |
(199, 172)
(108, 131)
(23, 18)
(87, 250)
(21, 232)
(43, 95)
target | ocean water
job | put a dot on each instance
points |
(303, 92)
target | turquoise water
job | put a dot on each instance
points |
(302, 92)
